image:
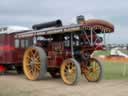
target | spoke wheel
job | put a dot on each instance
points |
(93, 70)
(70, 71)
(34, 63)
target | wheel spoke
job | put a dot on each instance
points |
(37, 66)
(36, 61)
(68, 66)
(30, 70)
(37, 58)
(27, 64)
(36, 54)
(28, 57)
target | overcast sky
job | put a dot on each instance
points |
(28, 12)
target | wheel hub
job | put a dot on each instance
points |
(32, 62)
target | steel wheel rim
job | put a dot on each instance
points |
(68, 72)
(31, 63)
(93, 71)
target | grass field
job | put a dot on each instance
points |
(107, 52)
(113, 70)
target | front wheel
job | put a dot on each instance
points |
(93, 70)
(70, 71)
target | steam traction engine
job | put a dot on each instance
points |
(65, 50)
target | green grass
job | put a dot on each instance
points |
(114, 71)
(111, 70)
(106, 53)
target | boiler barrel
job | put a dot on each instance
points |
(56, 23)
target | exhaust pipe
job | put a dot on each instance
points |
(56, 23)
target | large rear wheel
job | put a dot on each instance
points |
(70, 71)
(93, 70)
(34, 63)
